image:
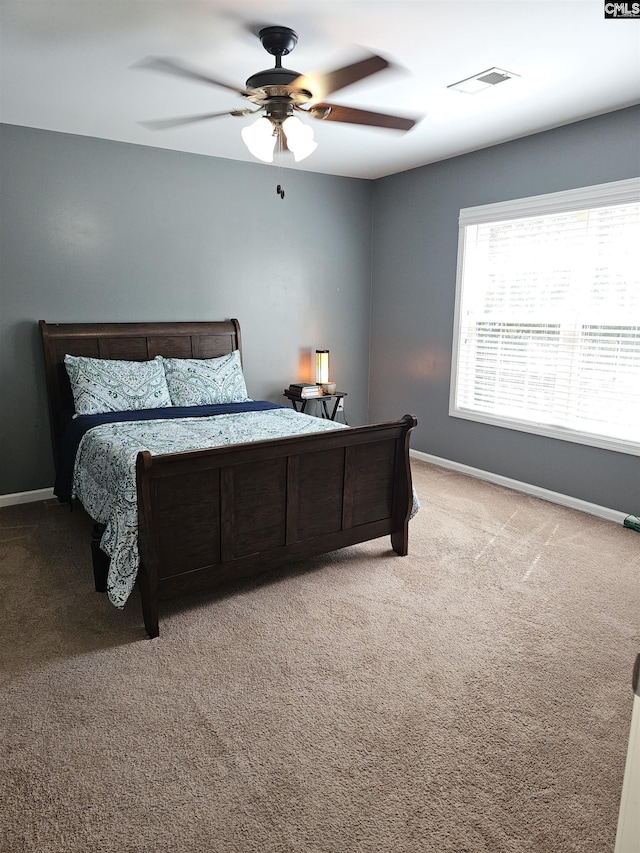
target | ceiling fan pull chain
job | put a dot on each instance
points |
(280, 188)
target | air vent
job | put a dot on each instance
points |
(483, 80)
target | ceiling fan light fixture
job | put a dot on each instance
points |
(260, 139)
(299, 136)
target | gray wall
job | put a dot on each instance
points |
(414, 274)
(94, 230)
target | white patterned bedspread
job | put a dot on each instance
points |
(104, 478)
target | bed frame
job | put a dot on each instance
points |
(208, 517)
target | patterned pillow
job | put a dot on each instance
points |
(205, 381)
(109, 385)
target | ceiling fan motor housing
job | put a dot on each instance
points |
(281, 77)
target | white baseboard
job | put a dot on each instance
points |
(26, 497)
(527, 488)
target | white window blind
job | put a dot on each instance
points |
(547, 330)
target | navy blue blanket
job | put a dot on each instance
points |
(77, 427)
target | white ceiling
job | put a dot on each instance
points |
(66, 65)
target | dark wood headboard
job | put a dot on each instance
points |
(127, 341)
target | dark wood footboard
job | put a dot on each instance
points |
(208, 517)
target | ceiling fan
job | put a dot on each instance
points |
(278, 93)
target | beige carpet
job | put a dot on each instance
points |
(473, 696)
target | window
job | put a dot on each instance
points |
(547, 325)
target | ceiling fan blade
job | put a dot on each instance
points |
(170, 66)
(351, 115)
(321, 85)
(167, 123)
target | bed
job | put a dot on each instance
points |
(211, 508)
